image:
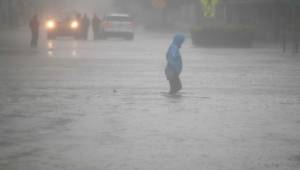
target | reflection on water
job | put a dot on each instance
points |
(50, 45)
(74, 53)
(50, 53)
(173, 98)
(62, 48)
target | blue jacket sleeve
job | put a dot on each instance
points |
(174, 59)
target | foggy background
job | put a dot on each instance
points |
(103, 104)
(177, 13)
(271, 19)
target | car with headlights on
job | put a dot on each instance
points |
(117, 25)
(65, 25)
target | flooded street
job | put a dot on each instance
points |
(103, 105)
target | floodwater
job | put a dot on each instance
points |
(76, 105)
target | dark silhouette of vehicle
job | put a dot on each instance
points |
(65, 25)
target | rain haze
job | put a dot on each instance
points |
(149, 85)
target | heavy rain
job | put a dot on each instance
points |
(149, 85)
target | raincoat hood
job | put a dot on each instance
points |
(178, 40)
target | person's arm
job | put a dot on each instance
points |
(174, 59)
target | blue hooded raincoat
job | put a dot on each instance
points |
(174, 65)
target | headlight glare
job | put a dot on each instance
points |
(74, 24)
(50, 24)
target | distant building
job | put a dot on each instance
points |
(6, 9)
(269, 17)
(15, 12)
(177, 14)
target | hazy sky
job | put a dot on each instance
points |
(90, 6)
(84, 6)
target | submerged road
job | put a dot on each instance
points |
(103, 106)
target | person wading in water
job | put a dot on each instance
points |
(174, 64)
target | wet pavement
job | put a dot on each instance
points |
(103, 105)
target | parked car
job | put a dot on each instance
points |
(117, 25)
(63, 25)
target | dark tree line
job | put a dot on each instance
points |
(15, 13)
(152, 15)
